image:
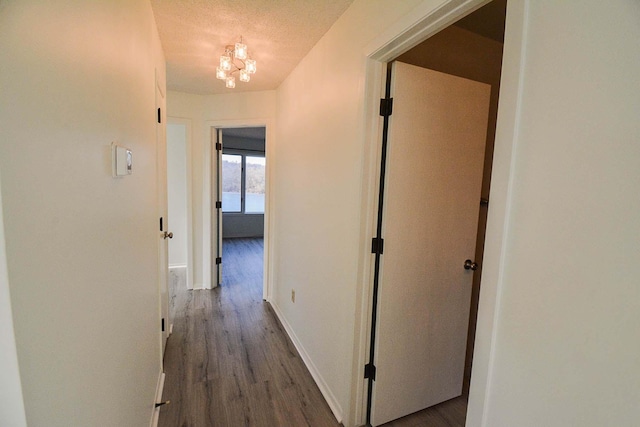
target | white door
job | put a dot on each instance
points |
(163, 248)
(217, 208)
(437, 136)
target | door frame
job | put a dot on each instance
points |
(415, 27)
(209, 187)
(163, 211)
(470, 142)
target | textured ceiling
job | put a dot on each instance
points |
(279, 33)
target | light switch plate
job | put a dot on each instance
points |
(122, 160)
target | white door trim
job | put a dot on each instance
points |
(161, 182)
(418, 25)
(208, 178)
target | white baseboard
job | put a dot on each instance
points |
(155, 416)
(177, 266)
(322, 385)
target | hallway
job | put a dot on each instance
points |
(229, 361)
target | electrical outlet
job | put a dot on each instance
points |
(293, 295)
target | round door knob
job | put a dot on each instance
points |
(168, 235)
(470, 265)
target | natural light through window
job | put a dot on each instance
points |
(231, 183)
(243, 183)
(254, 187)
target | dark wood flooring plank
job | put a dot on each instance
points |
(229, 361)
(451, 413)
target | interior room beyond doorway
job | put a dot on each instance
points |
(472, 49)
(243, 177)
(242, 190)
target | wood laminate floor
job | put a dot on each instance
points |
(451, 413)
(229, 361)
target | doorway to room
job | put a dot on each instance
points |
(240, 217)
(430, 188)
(179, 202)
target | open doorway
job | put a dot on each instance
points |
(471, 49)
(179, 202)
(242, 190)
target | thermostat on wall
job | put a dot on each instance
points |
(122, 160)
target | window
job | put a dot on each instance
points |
(243, 183)
(231, 183)
(254, 187)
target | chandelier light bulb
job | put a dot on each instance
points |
(225, 62)
(250, 66)
(244, 76)
(220, 73)
(230, 82)
(240, 51)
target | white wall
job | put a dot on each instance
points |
(82, 247)
(204, 111)
(318, 182)
(11, 401)
(177, 192)
(567, 343)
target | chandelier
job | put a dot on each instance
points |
(235, 59)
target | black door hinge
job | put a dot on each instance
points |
(161, 228)
(159, 115)
(370, 371)
(163, 324)
(377, 245)
(218, 146)
(219, 260)
(386, 106)
(218, 205)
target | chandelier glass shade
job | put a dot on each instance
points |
(235, 60)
